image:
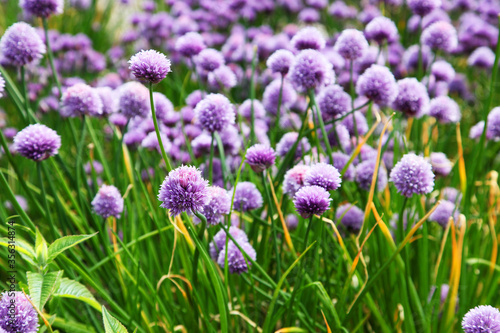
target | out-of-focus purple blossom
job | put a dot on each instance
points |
(333, 102)
(361, 127)
(246, 197)
(80, 4)
(222, 78)
(292, 222)
(194, 98)
(236, 261)
(443, 212)
(350, 216)
(378, 84)
(214, 113)
(483, 318)
(340, 160)
(10, 132)
(21, 201)
(411, 57)
(311, 200)
(442, 71)
(351, 44)
(2, 86)
(96, 166)
(423, 7)
(441, 165)
(111, 80)
(190, 44)
(118, 119)
(338, 137)
(42, 8)
(79, 100)
(368, 14)
(245, 109)
(311, 70)
(209, 59)
(412, 175)
(444, 109)
(309, 15)
(133, 100)
(108, 99)
(21, 45)
(294, 179)
(381, 29)
(260, 157)
(440, 36)
(308, 38)
(364, 175)
(271, 95)
(108, 202)
(151, 142)
(482, 57)
(412, 98)
(163, 106)
(494, 122)
(150, 66)
(338, 9)
(288, 140)
(280, 61)
(218, 205)
(219, 240)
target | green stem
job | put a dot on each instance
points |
(211, 161)
(273, 226)
(4, 185)
(55, 233)
(322, 126)
(25, 96)
(51, 56)
(196, 257)
(157, 130)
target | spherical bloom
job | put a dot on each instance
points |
(333, 102)
(37, 142)
(219, 204)
(294, 179)
(21, 44)
(443, 71)
(482, 319)
(412, 98)
(364, 175)
(311, 200)
(219, 240)
(443, 212)
(151, 66)
(311, 70)
(2, 86)
(163, 107)
(292, 221)
(440, 35)
(378, 84)
(288, 140)
(260, 157)
(42, 8)
(214, 113)
(444, 109)
(411, 57)
(184, 190)
(482, 57)
(308, 38)
(246, 197)
(245, 109)
(210, 59)
(271, 96)
(108, 202)
(350, 216)
(338, 136)
(423, 7)
(494, 122)
(412, 175)
(194, 98)
(340, 161)
(381, 29)
(108, 99)
(441, 165)
(133, 100)
(280, 61)
(361, 123)
(235, 259)
(323, 175)
(351, 44)
(190, 44)
(222, 78)
(79, 100)
(25, 317)
(151, 142)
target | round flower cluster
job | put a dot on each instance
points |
(37, 142)
(108, 202)
(412, 175)
(21, 45)
(151, 66)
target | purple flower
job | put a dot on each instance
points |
(412, 175)
(482, 57)
(351, 44)
(309, 15)
(190, 44)
(482, 319)
(184, 190)
(294, 179)
(210, 59)
(423, 7)
(25, 316)
(441, 165)
(21, 45)
(440, 36)
(308, 38)
(442, 71)
(412, 98)
(235, 259)
(381, 29)
(378, 84)
(219, 204)
(280, 61)
(214, 113)
(108, 99)
(246, 197)
(340, 161)
(219, 240)
(444, 109)
(361, 123)
(494, 122)
(151, 66)
(2, 86)
(311, 200)
(108, 202)
(133, 100)
(333, 102)
(311, 70)
(222, 78)
(270, 98)
(412, 55)
(323, 175)
(364, 175)
(98, 168)
(42, 8)
(79, 100)
(37, 142)
(151, 142)
(194, 98)
(443, 212)
(350, 216)
(260, 157)
(245, 109)
(292, 221)
(338, 136)
(163, 106)
(288, 140)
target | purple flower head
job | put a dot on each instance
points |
(150, 66)
(108, 202)
(151, 142)
(338, 136)
(37, 142)
(163, 106)
(108, 99)
(444, 109)
(323, 175)
(494, 122)
(440, 36)
(351, 44)
(381, 29)
(118, 119)
(25, 317)
(411, 57)
(364, 175)
(2, 86)
(210, 59)
(235, 259)
(308, 38)
(184, 190)
(412, 98)
(260, 157)
(333, 102)
(97, 166)
(133, 100)
(361, 123)
(350, 216)
(423, 7)
(245, 109)
(219, 204)
(441, 165)
(412, 175)
(311, 200)
(22, 202)
(190, 44)
(42, 8)
(79, 100)
(292, 221)
(246, 197)
(222, 78)
(194, 98)
(452, 194)
(340, 161)
(309, 15)
(338, 9)
(294, 179)
(442, 71)
(214, 113)
(280, 61)
(311, 70)
(378, 84)
(219, 240)
(482, 57)
(443, 212)
(270, 99)
(288, 140)
(21, 45)
(482, 319)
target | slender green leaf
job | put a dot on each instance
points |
(62, 244)
(72, 289)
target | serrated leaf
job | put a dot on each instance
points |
(62, 244)
(22, 247)
(72, 289)
(111, 324)
(42, 286)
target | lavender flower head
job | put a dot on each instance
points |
(323, 175)
(25, 316)
(37, 142)
(108, 99)
(364, 175)
(210, 59)
(444, 109)
(294, 179)
(440, 35)
(311, 70)
(219, 240)
(482, 57)
(350, 216)
(482, 319)
(443, 212)
(190, 44)
(441, 165)
(280, 61)
(412, 98)
(270, 99)
(340, 160)
(246, 197)
(42, 8)
(311, 200)
(133, 100)
(245, 109)
(308, 38)
(443, 71)
(423, 7)
(151, 66)
(333, 102)
(260, 157)
(378, 84)
(21, 45)
(351, 44)
(381, 29)
(218, 205)
(184, 190)
(288, 140)
(214, 113)
(79, 100)
(222, 78)
(108, 202)
(2, 86)
(235, 259)
(412, 175)
(494, 122)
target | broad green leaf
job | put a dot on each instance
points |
(70, 326)
(73, 289)
(41, 248)
(62, 244)
(22, 247)
(42, 286)
(111, 324)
